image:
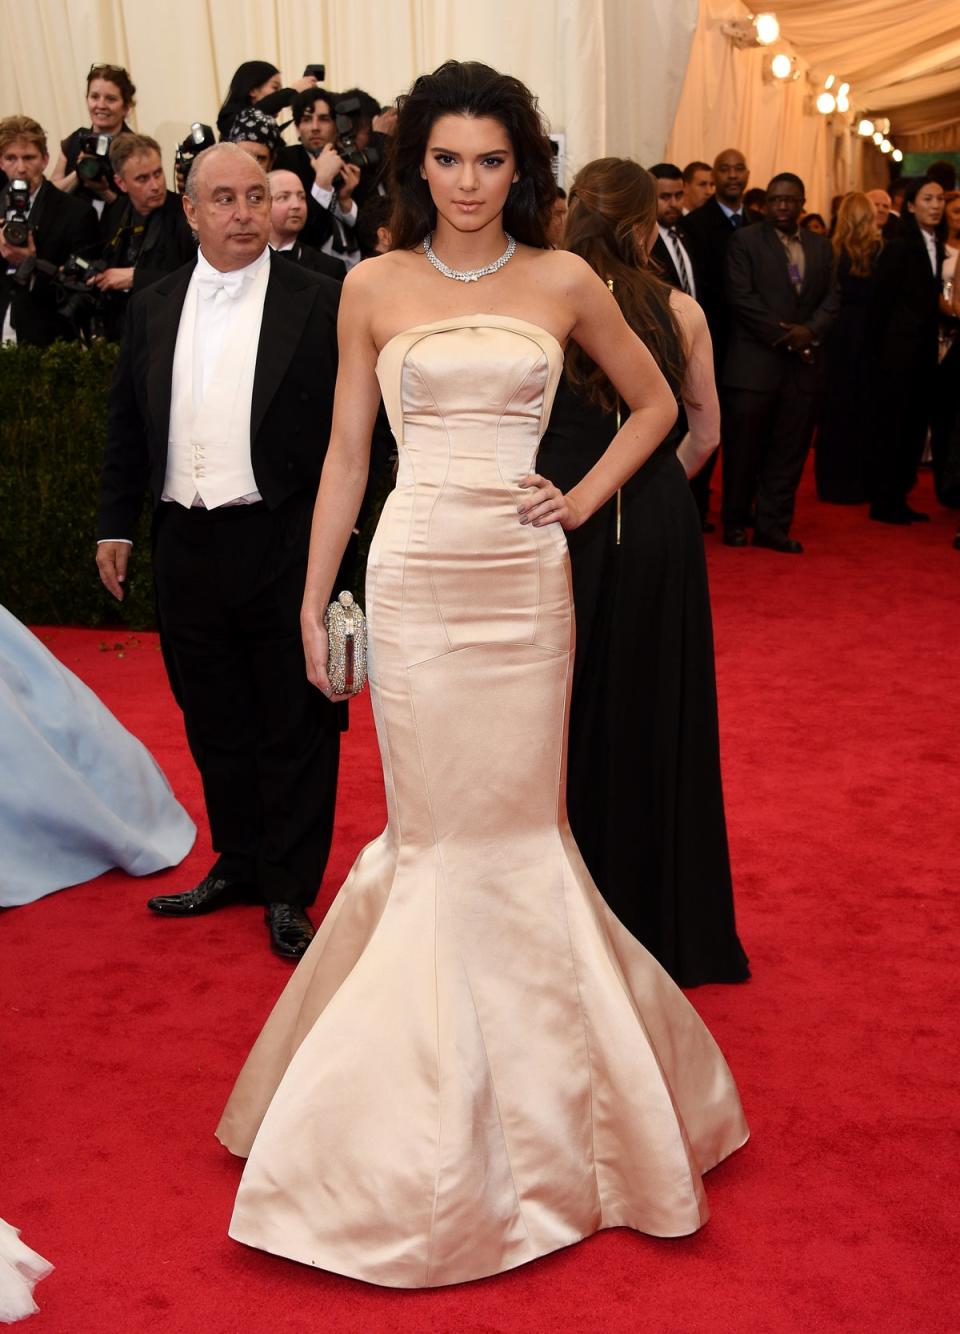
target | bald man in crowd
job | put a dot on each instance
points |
(221, 406)
(882, 204)
(288, 217)
(707, 232)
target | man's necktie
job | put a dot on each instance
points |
(737, 220)
(682, 272)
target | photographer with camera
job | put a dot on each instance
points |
(83, 168)
(41, 228)
(144, 233)
(329, 179)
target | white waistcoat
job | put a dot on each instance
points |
(208, 447)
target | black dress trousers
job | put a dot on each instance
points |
(767, 435)
(229, 585)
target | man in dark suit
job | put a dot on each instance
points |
(707, 232)
(675, 261)
(288, 217)
(328, 181)
(60, 226)
(144, 232)
(222, 405)
(783, 299)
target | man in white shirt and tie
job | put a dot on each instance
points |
(669, 250)
(221, 405)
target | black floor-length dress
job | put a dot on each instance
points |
(846, 416)
(644, 792)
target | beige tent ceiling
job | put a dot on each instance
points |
(901, 58)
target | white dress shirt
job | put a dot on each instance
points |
(678, 252)
(930, 241)
(342, 219)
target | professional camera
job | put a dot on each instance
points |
(347, 114)
(74, 297)
(200, 137)
(97, 166)
(16, 229)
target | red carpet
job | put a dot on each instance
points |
(839, 696)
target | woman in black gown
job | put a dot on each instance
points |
(847, 416)
(644, 793)
(904, 346)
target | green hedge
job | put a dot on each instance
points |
(53, 407)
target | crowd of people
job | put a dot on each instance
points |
(857, 355)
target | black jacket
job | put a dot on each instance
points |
(708, 231)
(315, 260)
(61, 226)
(292, 405)
(903, 330)
(760, 295)
(168, 243)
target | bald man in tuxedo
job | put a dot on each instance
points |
(221, 407)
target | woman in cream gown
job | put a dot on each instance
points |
(474, 1063)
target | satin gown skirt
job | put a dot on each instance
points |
(475, 1063)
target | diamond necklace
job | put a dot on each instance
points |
(468, 275)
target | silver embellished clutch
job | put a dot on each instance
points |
(347, 653)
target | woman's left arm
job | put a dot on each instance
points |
(605, 336)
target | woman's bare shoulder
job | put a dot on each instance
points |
(689, 313)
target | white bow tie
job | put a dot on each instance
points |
(210, 282)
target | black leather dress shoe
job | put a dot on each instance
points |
(291, 930)
(735, 537)
(884, 514)
(211, 893)
(918, 516)
(789, 545)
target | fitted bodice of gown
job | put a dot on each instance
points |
(474, 1063)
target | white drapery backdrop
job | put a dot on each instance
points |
(608, 72)
(727, 103)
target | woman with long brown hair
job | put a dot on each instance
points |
(846, 411)
(475, 1063)
(644, 794)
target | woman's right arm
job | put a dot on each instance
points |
(67, 182)
(699, 389)
(345, 470)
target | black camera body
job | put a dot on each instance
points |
(200, 138)
(347, 115)
(16, 230)
(97, 166)
(74, 297)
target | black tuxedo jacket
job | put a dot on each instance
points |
(905, 314)
(292, 405)
(316, 260)
(62, 226)
(707, 232)
(662, 257)
(760, 295)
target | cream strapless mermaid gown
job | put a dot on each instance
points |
(474, 1063)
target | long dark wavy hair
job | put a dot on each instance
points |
(251, 74)
(467, 88)
(612, 202)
